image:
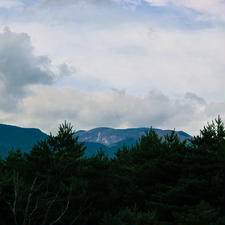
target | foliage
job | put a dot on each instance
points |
(155, 182)
(127, 217)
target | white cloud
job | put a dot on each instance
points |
(10, 4)
(48, 106)
(135, 58)
(211, 9)
(111, 51)
(78, 2)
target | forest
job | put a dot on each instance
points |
(155, 182)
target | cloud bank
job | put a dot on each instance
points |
(49, 106)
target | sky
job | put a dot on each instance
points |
(112, 63)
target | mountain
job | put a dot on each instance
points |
(13, 137)
(109, 139)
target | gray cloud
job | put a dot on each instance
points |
(193, 97)
(19, 68)
(119, 91)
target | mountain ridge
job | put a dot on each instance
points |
(106, 138)
(110, 136)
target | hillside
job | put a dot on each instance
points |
(13, 137)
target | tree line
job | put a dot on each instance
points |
(155, 182)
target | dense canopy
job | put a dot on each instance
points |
(155, 182)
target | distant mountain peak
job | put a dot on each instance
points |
(110, 136)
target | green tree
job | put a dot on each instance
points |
(41, 193)
(212, 136)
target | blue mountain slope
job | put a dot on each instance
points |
(13, 137)
(93, 148)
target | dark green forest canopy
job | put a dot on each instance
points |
(154, 182)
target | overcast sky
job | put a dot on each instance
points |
(114, 63)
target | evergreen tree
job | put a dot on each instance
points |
(159, 181)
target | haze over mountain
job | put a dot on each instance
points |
(107, 139)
